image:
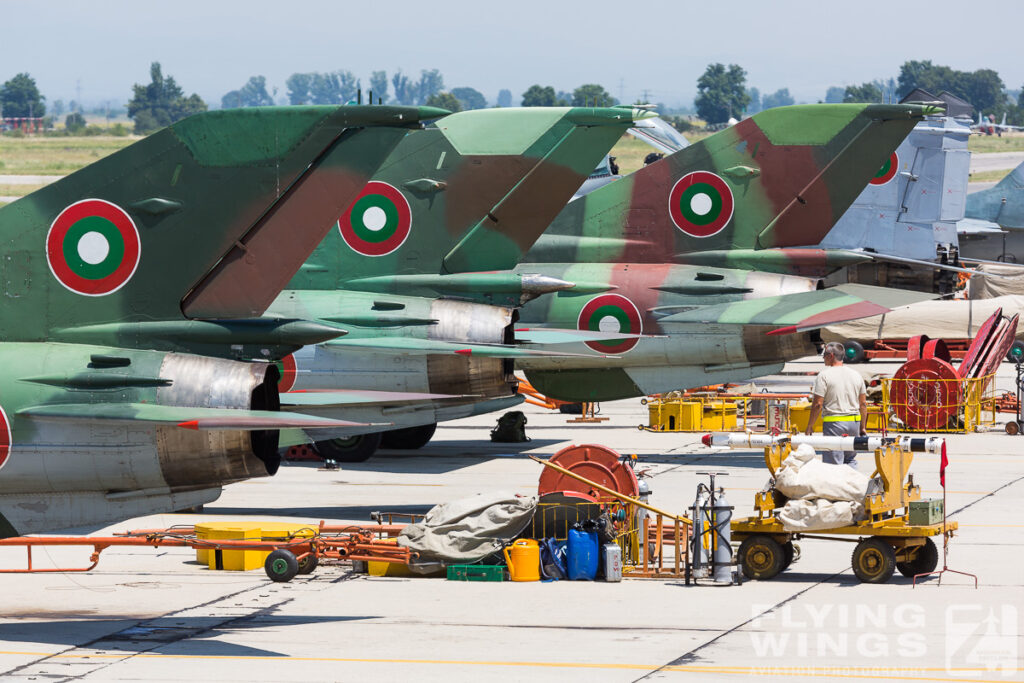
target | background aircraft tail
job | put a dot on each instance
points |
(780, 178)
(470, 194)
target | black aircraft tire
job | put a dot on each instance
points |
(854, 352)
(281, 566)
(353, 449)
(927, 560)
(408, 439)
(308, 563)
(1016, 352)
(788, 553)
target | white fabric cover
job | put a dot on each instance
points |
(804, 475)
(469, 529)
(822, 496)
(981, 287)
(957, 319)
(818, 513)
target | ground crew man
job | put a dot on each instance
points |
(840, 397)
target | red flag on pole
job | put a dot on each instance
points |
(942, 465)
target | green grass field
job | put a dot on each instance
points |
(1009, 142)
(60, 156)
(54, 156)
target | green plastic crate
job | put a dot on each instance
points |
(925, 512)
(476, 572)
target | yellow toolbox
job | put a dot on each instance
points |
(719, 416)
(243, 560)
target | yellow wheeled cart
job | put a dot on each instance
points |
(887, 540)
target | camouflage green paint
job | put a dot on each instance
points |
(791, 171)
(190, 194)
(482, 185)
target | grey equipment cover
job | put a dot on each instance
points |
(467, 530)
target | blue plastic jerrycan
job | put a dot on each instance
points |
(582, 556)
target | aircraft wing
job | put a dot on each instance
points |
(547, 335)
(660, 134)
(427, 347)
(976, 226)
(185, 417)
(307, 399)
(804, 311)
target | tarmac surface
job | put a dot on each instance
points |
(157, 615)
(995, 161)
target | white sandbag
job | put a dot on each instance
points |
(804, 476)
(811, 515)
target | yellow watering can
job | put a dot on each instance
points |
(523, 560)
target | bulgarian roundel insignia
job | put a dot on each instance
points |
(888, 170)
(378, 221)
(93, 247)
(700, 204)
(288, 369)
(5, 437)
(611, 313)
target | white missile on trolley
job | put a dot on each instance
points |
(927, 444)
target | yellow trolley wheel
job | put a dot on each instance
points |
(761, 557)
(925, 561)
(874, 560)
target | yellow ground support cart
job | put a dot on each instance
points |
(888, 541)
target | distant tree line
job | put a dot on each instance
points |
(722, 93)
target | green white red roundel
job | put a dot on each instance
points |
(611, 313)
(93, 247)
(888, 170)
(378, 221)
(5, 437)
(288, 369)
(700, 204)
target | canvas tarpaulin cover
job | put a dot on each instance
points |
(467, 530)
(822, 495)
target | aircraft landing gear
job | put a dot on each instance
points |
(409, 438)
(353, 449)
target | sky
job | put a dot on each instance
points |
(631, 48)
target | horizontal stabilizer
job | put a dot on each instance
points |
(544, 335)
(182, 416)
(805, 310)
(976, 226)
(796, 261)
(288, 332)
(427, 347)
(929, 264)
(359, 397)
(527, 284)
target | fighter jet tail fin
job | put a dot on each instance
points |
(470, 194)
(197, 218)
(780, 178)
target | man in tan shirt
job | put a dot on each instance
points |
(840, 397)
